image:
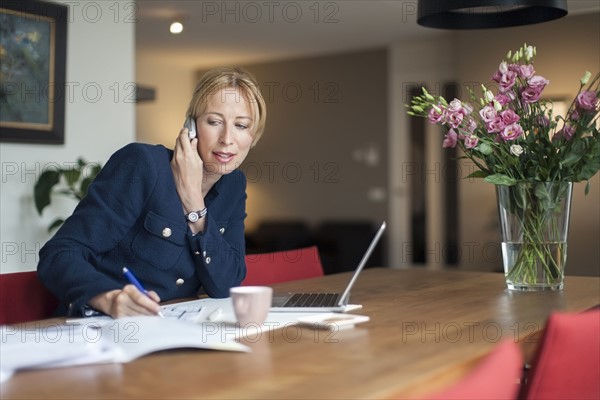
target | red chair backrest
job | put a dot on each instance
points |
(24, 298)
(496, 377)
(567, 361)
(282, 266)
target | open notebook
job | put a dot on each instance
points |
(324, 302)
(116, 341)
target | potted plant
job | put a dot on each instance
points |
(73, 182)
(532, 155)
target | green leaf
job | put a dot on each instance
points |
(85, 184)
(541, 192)
(500, 179)
(43, 188)
(588, 171)
(570, 159)
(520, 196)
(95, 171)
(55, 224)
(72, 175)
(477, 174)
(485, 148)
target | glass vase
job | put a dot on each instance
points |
(534, 220)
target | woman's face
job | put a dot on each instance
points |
(224, 131)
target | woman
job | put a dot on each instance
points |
(173, 218)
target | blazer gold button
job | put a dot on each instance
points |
(222, 230)
(166, 232)
(179, 282)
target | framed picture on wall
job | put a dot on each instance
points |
(33, 49)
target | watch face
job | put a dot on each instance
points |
(193, 216)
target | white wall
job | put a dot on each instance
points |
(160, 120)
(100, 118)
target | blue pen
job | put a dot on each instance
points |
(131, 278)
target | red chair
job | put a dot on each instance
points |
(566, 364)
(23, 298)
(282, 266)
(496, 377)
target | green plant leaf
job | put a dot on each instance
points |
(55, 224)
(477, 174)
(72, 175)
(570, 159)
(85, 184)
(43, 188)
(485, 148)
(500, 179)
(541, 192)
(520, 197)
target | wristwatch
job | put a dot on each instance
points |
(195, 215)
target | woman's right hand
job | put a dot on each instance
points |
(125, 302)
(188, 171)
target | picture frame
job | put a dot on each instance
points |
(33, 52)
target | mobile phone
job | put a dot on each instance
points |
(190, 124)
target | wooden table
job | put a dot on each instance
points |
(426, 329)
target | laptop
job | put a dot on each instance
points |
(323, 302)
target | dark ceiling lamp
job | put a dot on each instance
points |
(482, 14)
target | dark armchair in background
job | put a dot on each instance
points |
(341, 244)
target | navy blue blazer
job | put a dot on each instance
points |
(132, 217)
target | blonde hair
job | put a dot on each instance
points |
(231, 78)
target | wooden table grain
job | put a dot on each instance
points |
(427, 328)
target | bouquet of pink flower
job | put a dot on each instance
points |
(513, 136)
(532, 156)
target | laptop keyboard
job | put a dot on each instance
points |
(312, 300)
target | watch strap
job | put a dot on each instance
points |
(191, 217)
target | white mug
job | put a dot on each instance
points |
(251, 304)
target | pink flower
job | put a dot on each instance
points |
(511, 132)
(509, 117)
(506, 76)
(471, 125)
(454, 118)
(568, 131)
(450, 139)
(501, 71)
(515, 68)
(435, 117)
(534, 90)
(574, 115)
(587, 100)
(487, 113)
(538, 82)
(471, 141)
(507, 81)
(497, 76)
(531, 95)
(503, 98)
(526, 71)
(496, 125)
(542, 120)
(467, 108)
(457, 106)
